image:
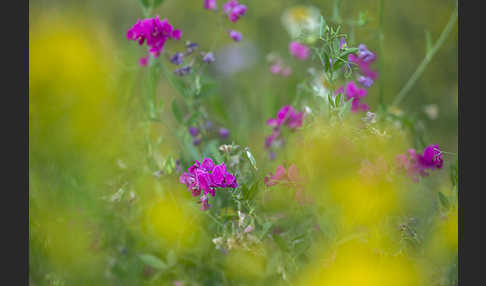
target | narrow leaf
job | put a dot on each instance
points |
(177, 111)
(153, 261)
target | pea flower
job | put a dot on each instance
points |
(183, 70)
(234, 10)
(223, 132)
(205, 177)
(416, 164)
(154, 33)
(352, 92)
(210, 5)
(235, 35)
(177, 58)
(208, 57)
(299, 50)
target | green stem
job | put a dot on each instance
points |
(380, 58)
(428, 57)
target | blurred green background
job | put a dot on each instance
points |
(86, 129)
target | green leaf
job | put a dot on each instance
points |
(266, 228)
(348, 51)
(250, 158)
(321, 27)
(443, 200)
(153, 261)
(177, 111)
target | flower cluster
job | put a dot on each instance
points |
(233, 10)
(178, 58)
(154, 33)
(416, 164)
(206, 177)
(286, 116)
(299, 50)
(363, 59)
(354, 93)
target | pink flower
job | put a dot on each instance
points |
(416, 164)
(235, 35)
(210, 5)
(144, 61)
(299, 50)
(154, 33)
(234, 10)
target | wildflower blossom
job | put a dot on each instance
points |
(234, 10)
(277, 67)
(342, 43)
(352, 92)
(144, 61)
(177, 58)
(210, 5)
(416, 164)
(154, 33)
(193, 131)
(223, 132)
(364, 54)
(208, 57)
(190, 48)
(235, 35)
(365, 81)
(183, 70)
(299, 50)
(205, 177)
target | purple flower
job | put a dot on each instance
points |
(154, 33)
(342, 43)
(299, 50)
(363, 66)
(237, 12)
(223, 132)
(208, 58)
(229, 6)
(206, 177)
(352, 92)
(196, 141)
(177, 59)
(416, 164)
(190, 48)
(183, 70)
(364, 54)
(235, 35)
(210, 5)
(365, 81)
(193, 131)
(144, 61)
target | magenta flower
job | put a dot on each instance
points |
(235, 35)
(416, 164)
(363, 65)
(210, 5)
(352, 92)
(234, 10)
(287, 116)
(299, 50)
(144, 61)
(223, 132)
(205, 177)
(154, 33)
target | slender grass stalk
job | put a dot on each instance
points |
(428, 57)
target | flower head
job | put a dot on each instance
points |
(235, 35)
(154, 33)
(177, 58)
(183, 70)
(352, 92)
(223, 132)
(416, 164)
(208, 57)
(234, 10)
(210, 5)
(299, 50)
(205, 177)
